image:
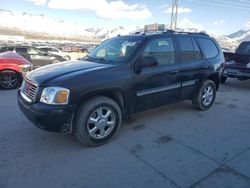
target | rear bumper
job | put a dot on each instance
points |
(234, 72)
(48, 117)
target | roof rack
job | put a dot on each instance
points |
(168, 31)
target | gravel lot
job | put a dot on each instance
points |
(172, 146)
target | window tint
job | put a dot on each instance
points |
(162, 50)
(33, 51)
(244, 48)
(197, 50)
(208, 47)
(44, 49)
(52, 50)
(187, 50)
(21, 50)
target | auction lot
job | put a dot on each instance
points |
(172, 146)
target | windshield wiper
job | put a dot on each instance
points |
(98, 59)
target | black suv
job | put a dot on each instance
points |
(34, 55)
(122, 76)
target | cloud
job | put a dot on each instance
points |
(39, 2)
(185, 23)
(181, 10)
(219, 22)
(248, 25)
(104, 9)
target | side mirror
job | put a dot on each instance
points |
(147, 61)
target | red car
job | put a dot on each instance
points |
(12, 66)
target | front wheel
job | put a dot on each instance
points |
(205, 96)
(55, 61)
(9, 79)
(97, 121)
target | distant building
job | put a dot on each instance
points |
(11, 38)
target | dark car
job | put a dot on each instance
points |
(122, 76)
(34, 55)
(12, 66)
(237, 65)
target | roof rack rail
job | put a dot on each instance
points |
(192, 33)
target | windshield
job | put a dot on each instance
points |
(114, 50)
(244, 48)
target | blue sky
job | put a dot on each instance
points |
(217, 16)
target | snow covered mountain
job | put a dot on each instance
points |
(241, 35)
(43, 24)
(37, 23)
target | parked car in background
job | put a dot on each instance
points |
(12, 66)
(34, 55)
(53, 50)
(237, 65)
(120, 77)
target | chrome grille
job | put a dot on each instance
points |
(29, 90)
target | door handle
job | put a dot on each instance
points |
(205, 66)
(174, 72)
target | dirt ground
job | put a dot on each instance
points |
(171, 146)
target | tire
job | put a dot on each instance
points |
(242, 78)
(10, 79)
(205, 96)
(67, 57)
(223, 79)
(55, 61)
(91, 127)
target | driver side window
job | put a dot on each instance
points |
(32, 51)
(162, 49)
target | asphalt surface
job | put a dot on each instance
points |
(172, 146)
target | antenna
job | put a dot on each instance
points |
(174, 15)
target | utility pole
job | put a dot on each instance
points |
(174, 15)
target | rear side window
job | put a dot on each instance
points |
(187, 49)
(197, 50)
(208, 47)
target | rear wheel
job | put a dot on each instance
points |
(67, 57)
(97, 121)
(9, 79)
(242, 78)
(205, 96)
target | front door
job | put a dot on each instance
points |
(159, 84)
(38, 58)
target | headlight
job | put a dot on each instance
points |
(25, 67)
(55, 95)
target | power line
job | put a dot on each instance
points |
(224, 4)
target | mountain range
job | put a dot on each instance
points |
(13, 23)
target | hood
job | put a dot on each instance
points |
(50, 72)
(11, 57)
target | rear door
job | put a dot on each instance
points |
(160, 84)
(193, 65)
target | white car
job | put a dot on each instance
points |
(55, 51)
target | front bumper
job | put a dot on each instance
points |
(48, 117)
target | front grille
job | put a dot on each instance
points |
(29, 89)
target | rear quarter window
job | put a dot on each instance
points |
(208, 47)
